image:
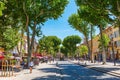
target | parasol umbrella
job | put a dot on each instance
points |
(1, 57)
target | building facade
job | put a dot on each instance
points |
(114, 44)
(23, 48)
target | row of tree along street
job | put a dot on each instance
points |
(97, 13)
(27, 16)
(52, 45)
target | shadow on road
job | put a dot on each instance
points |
(73, 72)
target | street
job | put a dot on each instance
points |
(71, 71)
(64, 70)
(59, 39)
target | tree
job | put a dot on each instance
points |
(114, 8)
(11, 18)
(70, 43)
(10, 39)
(105, 42)
(64, 51)
(37, 12)
(32, 14)
(83, 50)
(97, 15)
(12, 14)
(82, 26)
(50, 44)
(45, 44)
(56, 42)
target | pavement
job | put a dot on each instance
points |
(39, 72)
(108, 68)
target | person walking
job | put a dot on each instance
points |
(31, 64)
(22, 63)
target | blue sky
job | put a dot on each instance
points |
(61, 27)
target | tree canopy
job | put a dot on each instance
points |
(105, 41)
(49, 44)
(30, 15)
(82, 50)
(77, 23)
(9, 39)
(98, 14)
(70, 43)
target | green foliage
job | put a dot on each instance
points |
(43, 10)
(37, 11)
(79, 24)
(82, 50)
(104, 41)
(50, 44)
(114, 8)
(56, 42)
(2, 7)
(70, 43)
(96, 11)
(74, 20)
(9, 39)
(13, 14)
(31, 15)
(14, 61)
(8, 55)
(64, 50)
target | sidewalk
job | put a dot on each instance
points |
(108, 68)
(36, 73)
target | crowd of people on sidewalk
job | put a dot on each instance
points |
(34, 62)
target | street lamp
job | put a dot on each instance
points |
(112, 41)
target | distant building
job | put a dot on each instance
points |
(24, 47)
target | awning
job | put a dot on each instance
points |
(1, 57)
(38, 55)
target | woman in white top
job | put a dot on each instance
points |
(31, 64)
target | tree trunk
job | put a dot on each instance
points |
(103, 48)
(92, 56)
(18, 49)
(28, 39)
(118, 8)
(21, 43)
(27, 30)
(32, 43)
(33, 38)
(119, 25)
(89, 53)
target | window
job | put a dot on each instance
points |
(111, 36)
(117, 33)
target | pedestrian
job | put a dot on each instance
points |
(22, 64)
(95, 59)
(31, 64)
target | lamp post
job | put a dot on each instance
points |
(113, 51)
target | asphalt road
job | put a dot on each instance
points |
(69, 71)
